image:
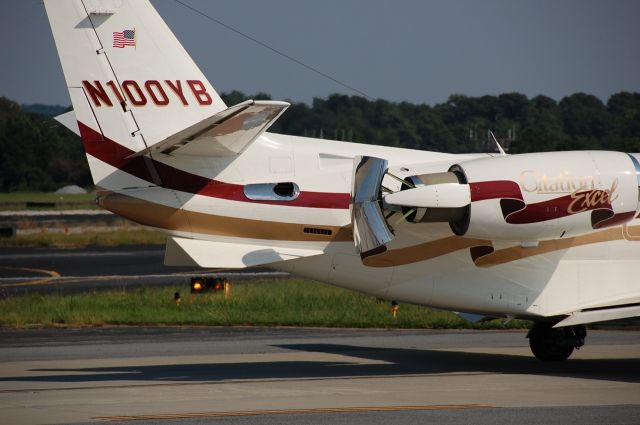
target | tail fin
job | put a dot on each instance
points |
(131, 82)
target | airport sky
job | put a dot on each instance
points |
(415, 50)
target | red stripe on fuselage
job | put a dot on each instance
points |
(516, 211)
(495, 189)
(614, 220)
(115, 154)
(552, 209)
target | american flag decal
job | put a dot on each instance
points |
(124, 38)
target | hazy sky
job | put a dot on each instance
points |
(414, 50)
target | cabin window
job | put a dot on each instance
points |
(283, 191)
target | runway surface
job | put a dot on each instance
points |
(319, 376)
(73, 270)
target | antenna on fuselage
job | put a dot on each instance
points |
(502, 152)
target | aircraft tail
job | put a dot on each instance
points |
(131, 82)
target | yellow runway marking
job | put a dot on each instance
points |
(294, 411)
(52, 274)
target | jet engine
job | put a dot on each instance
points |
(526, 198)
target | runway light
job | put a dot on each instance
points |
(197, 285)
(394, 309)
(214, 284)
(176, 298)
(209, 284)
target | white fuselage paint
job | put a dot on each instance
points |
(548, 284)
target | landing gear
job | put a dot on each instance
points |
(551, 344)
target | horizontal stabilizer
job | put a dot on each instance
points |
(69, 120)
(444, 195)
(600, 315)
(226, 133)
(213, 254)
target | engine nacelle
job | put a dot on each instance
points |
(547, 195)
(439, 214)
(526, 198)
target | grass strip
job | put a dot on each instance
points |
(19, 200)
(139, 236)
(277, 302)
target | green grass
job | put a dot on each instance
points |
(280, 302)
(18, 200)
(137, 236)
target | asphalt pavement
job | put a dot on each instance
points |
(311, 376)
(36, 269)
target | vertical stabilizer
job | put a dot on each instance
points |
(131, 82)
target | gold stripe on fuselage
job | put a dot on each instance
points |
(424, 251)
(170, 218)
(518, 252)
(429, 250)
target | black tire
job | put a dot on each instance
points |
(549, 344)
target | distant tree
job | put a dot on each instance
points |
(46, 110)
(624, 110)
(540, 129)
(511, 106)
(37, 153)
(584, 116)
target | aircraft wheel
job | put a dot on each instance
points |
(555, 344)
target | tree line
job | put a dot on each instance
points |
(37, 153)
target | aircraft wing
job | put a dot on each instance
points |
(214, 254)
(226, 133)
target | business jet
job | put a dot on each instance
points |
(550, 237)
